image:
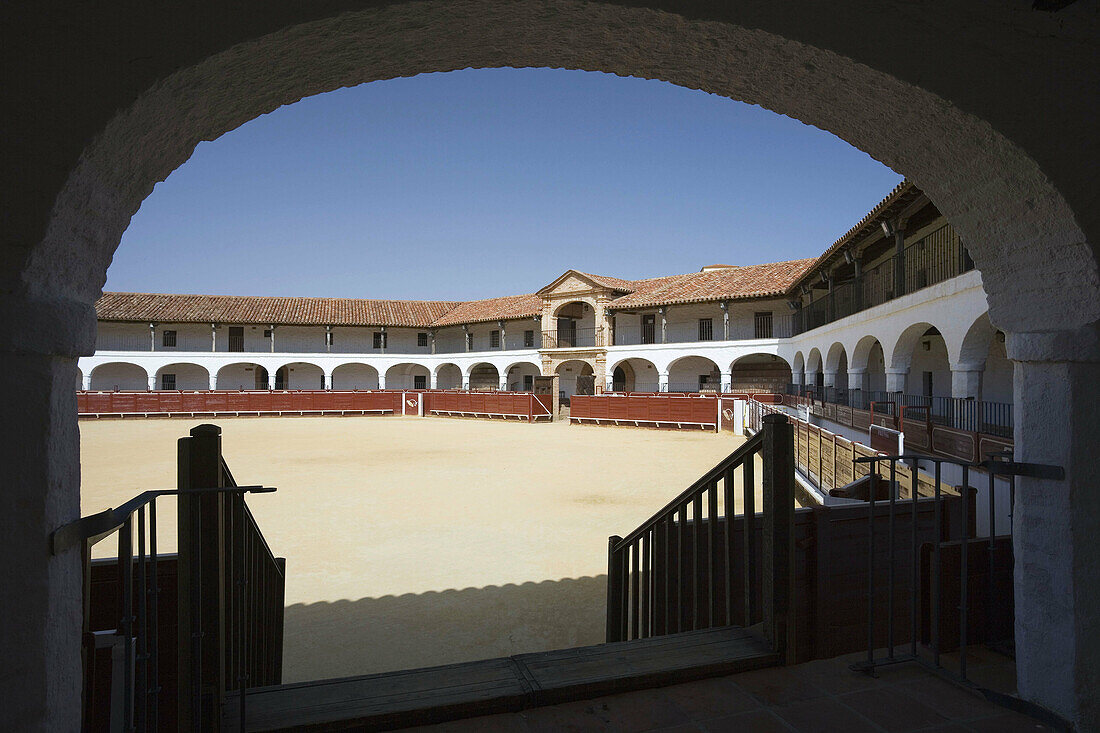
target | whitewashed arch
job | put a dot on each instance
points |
(119, 375)
(241, 375)
(353, 375)
(189, 376)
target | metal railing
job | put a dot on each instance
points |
(693, 564)
(936, 257)
(572, 338)
(952, 587)
(228, 580)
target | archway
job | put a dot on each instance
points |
(299, 375)
(798, 372)
(575, 377)
(448, 376)
(408, 376)
(815, 370)
(574, 325)
(836, 371)
(354, 376)
(119, 375)
(521, 376)
(183, 376)
(918, 362)
(241, 376)
(694, 374)
(635, 375)
(1020, 198)
(760, 373)
(484, 377)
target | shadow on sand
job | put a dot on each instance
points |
(344, 638)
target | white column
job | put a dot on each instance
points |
(433, 378)
(503, 336)
(796, 377)
(152, 382)
(465, 381)
(664, 324)
(152, 337)
(609, 381)
(966, 381)
(1056, 522)
(725, 306)
(212, 380)
(895, 379)
(829, 379)
(273, 341)
(662, 382)
(859, 379)
(381, 380)
(503, 382)
(86, 381)
(328, 380)
(213, 337)
(271, 380)
(727, 381)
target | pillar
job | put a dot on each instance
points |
(152, 337)
(725, 306)
(465, 337)
(859, 379)
(609, 381)
(966, 381)
(328, 345)
(829, 378)
(431, 343)
(152, 382)
(895, 379)
(213, 337)
(328, 380)
(503, 381)
(465, 381)
(503, 336)
(796, 377)
(433, 378)
(662, 382)
(212, 380)
(271, 380)
(664, 324)
(86, 381)
(1056, 522)
(381, 380)
(272, 343)
(727, 381)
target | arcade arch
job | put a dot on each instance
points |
(407, 376)
(815, 369)
(354, 375)
(575, 324)
(836, 369)
(182, 375)
(242, 376)
(119, 375)
(635, 375)
(575, 377)
(521, 376)
(299, 375)
(448, 376)
(694, 374)
(484, 376)
(760, 373)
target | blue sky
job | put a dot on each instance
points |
(472, 184)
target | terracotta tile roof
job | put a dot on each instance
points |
(165, 308)
(615, 283)
(493, 309)
(753, 281)
(903, 194)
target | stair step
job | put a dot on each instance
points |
(435, 694)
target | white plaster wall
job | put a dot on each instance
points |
(997, 377)
(646, 374)
(934, 360)
(302, 375)
(188, 376)
(448, 376)
(516, 373)
(117, 375)
(484, 376)
(683, 375)
(238, 376)
(400, 376)
(354, 376)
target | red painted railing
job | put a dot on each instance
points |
(489, 404)
(652, 409)
(231, 403)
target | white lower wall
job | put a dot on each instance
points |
(355, 376)
(116, 375)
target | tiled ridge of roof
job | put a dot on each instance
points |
(162, 307)
(615, 283)
(750, 281)
(492, 309)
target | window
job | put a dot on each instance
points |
(528, 381)
(169, 338)
(494, 339)
(420, 381)
(706, 329)
(528, 339)
(421, 339)
(236, 338)
(762, 325)
(168, 381)
(469, 342)
(379, 339)
(267, 333)
(329, 338)
(648, 329)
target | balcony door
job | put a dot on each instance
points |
(567, 332)
(236, 339)
(649, 329)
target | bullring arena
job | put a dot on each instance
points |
(413, 542)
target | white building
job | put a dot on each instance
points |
(894, 306)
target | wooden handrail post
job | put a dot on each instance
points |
(614, 592)
(778, 537)
(201, 606)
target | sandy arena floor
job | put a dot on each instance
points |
(422, 541)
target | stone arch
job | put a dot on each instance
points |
(635, 374)
(694, 373)
(798, 370)
(568, 371)
(1020, 199)
(354, 375)
(919, 362)
(483, 375)
(901, 354)
(974, 348)
(815, 367)
(448, 376)
(760, 372)
(836, 369)
(299, 375)
(242, 376)
(520, 375)
(119, 375)
(186, 376)
(574, 322)
(408, 375)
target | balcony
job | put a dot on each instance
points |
(573, 338)
(762, 327)
(938, 257)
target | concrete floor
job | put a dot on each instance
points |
(414, 542)
(817, 697)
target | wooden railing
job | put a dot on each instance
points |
(693, 565)
(146, 642)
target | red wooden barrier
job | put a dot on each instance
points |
(659, 410)
(165, 403)
(503, 405)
